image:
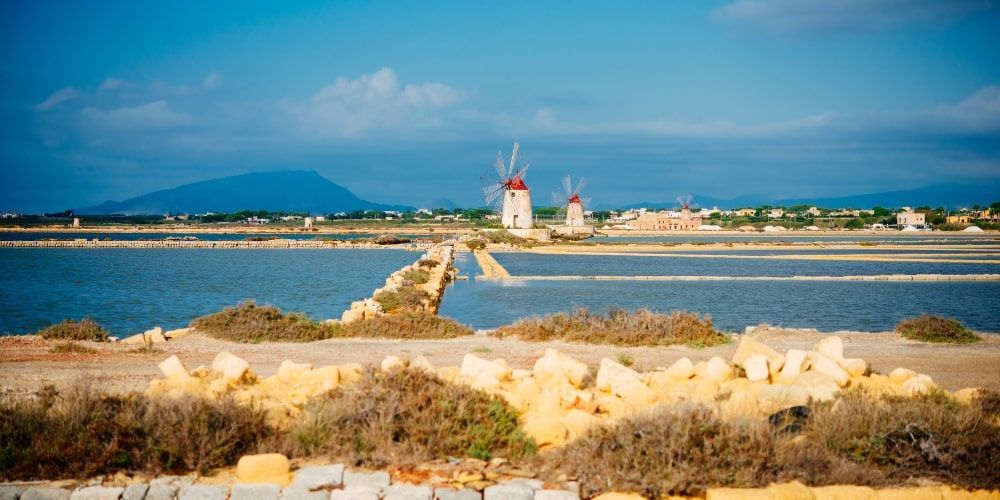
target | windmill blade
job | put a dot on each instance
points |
(585, 202)
(492, 191)
(513, 159)
(558, 199)
(524, 171)
(499, 166)
(567, 186)
(579, 185)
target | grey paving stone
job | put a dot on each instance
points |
(294, 492)
(378, 479)
(535, 484)
(356, 493)
(97, 493)
(45, 493)
(260, 491)
(319, 476)
(135, 492)
(203, 492)
(508, 491)
(556, 495)
(10, 491)
(408, 492)
(178, 481)
(161, 492)
(452, 494)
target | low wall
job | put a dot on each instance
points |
(873, 277)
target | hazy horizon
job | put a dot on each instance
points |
(408, 103)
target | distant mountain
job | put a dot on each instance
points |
(440, 203)
(288, 191)
(946, 195)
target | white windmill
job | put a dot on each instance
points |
(571, 201)
(507, 194)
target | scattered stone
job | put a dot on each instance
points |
(178, 333)
(378, 479)
(322, 476)
(460, 494)
(10, 491)
(534, 484)
(556, 495)
(135, 492)
(229, 367)
(261, 491)
(97, 493)
(161, 492)
(756, 367)
(264, 468)
(45, 493)
(408, 492)
(172, 367)
(356, 493)
(508, 492)
(203, 492)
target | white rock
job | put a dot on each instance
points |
(794, 360)
(172, 367)
(830, 368)
(256, 491)
(356, 493)
(97, 493)
(682, 369)
(473, 366)
(756, 367)
(718, 370)
(408, 492)
(831, 347)
(229, 367)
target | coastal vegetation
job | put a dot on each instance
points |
(404, 297)
(928, 328)
(619, 327)
(412, 324)
(85, 329)
(71, 348)
(418, 276)
(854, 440)
(250, 323)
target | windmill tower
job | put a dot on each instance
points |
(571, 200)
(507, 192)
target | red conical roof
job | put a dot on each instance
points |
(516, 183)
(575, 198)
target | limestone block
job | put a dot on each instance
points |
(294, 492)
(556, 495)
(821, 387)
(263, 468)
(262, 491)
(682, 369)
(137, 339)
(737, 494)
(45, 493)
(704, 390)
(319, 476)
(554, 369)
(921, 384)
(349, 373)
(699, 369)
(578, 422)
(172, 367)
(789, 491)
(750, 346)
(546, 429)
(487, 382)
(408, 492)
(844, 492)
(829, 367)
(178, 333)
(756, 367)
(741, 403)
(378, 479)
(391, 362)
(155, 335)
(718, 370)
(473, 366)
(966, 396)
(900, 375)
(203, 492)
(449, 373)
(357, 493)
(229, 367)
(623, 382)
(508, 492)
(97, 493)
(453, 494)
(854, 367)
(526, 393)
(290, 371)
(831, 347)
(794, 361)
(135, 492)
(10, 491)
(774, 398)
(422, 363)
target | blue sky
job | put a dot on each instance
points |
(408, 102)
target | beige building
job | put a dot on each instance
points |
(910, 218)
(745, 212)
(663, 221)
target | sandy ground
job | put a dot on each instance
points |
(27, 365)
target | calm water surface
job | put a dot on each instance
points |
(131, 290)
(32, 236)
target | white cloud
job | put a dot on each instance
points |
(353, 107)
(212, 80)
(804, 16)
(112, 83)
(156, 114)
(58, 97)
(979, 112)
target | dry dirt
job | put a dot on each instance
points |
(27, 365)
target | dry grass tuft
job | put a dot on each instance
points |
(418, 276)
(85, 329)
(404, 297)
(927, 328)
(406, 417)
(404, 325)
(71, 348)
(619, 327)
(250, 323)
(80, 434)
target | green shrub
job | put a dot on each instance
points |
(929, 328)
(618, 327)
(85, 329)
(250, 323)
(405, 297)
(407, 416)
(417, 276)
(476, 244)
(414, 324)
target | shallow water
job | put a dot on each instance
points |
(829, 239)
(131, 290)
(733, 305)
(33, 236)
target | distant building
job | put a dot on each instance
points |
(745, 212)
(667, 221)
(257, 220)
(813, 211)
(910, 218)
(776, 213)
(958, 219)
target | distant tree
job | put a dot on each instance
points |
(880, 211)
(855, 223)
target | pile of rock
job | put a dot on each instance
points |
(440, 257)
(156, 335)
